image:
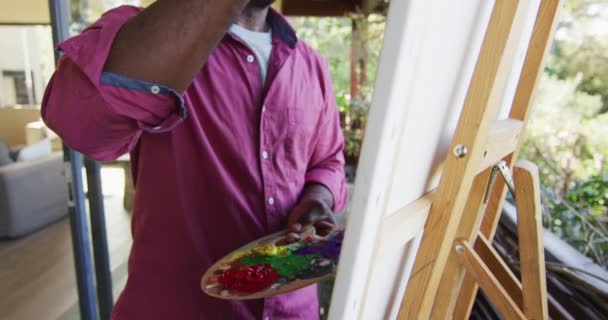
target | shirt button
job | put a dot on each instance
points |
(250, 59)
(155, 89)
(271, 201)
(264, 108)
(265, 155)
(266, 318)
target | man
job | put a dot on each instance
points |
(233, 135)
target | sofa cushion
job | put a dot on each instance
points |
(32, 195)
(5, 157)
(35, 151)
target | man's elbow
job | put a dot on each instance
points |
(82, 129)
(50, 111)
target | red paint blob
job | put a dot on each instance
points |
(249, 280)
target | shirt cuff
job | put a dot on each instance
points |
(153, 107)
(149, 90)
(332, 180)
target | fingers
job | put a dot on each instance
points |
(297, 222)
(324, 224)
(289, 239)
(295, 227)
(324, 227)
(312, 217)
(316, 215)
(293, 237)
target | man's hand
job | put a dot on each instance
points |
(314, 209)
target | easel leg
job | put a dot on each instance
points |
(531, 294)
(454, 271)
(531, 248)
(487, 281)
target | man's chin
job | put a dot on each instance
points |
(261, 3)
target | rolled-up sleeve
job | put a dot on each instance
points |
(102, 114)
(326, 166)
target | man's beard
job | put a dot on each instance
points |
(260, 3)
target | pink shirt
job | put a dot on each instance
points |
(215, 167)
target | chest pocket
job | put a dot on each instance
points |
(302, 135)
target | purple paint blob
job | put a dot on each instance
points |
(304, 251)
(329, 249)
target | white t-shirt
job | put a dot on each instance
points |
(259, 42)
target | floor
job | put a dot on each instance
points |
(37, 279)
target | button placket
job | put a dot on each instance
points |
(265, 166)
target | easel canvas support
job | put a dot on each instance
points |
(457, 234)
(533, 68)
(439, 57)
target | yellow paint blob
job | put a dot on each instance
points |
(269, 250)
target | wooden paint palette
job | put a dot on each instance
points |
(263, 268)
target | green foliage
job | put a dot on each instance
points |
(567, 136)
(353, 120)
(581, 48)
(579, 219)
(588, 60)
(591, 194)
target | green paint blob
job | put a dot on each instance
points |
(287, 266)
(293, 247)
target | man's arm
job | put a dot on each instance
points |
(120, 77)
(325, 191)
(170, 41)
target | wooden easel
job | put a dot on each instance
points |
(455, 255)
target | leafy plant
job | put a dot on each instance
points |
(568, 133)
(578, 219)
(591, 194)
(567, 136)
(353, 120)
(567, 139)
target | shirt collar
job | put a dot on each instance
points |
(281, 28)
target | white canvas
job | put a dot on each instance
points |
(430, 52)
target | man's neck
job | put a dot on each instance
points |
(254, 19)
